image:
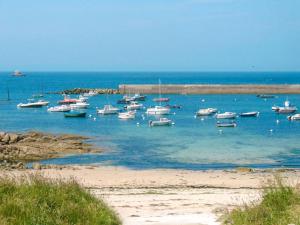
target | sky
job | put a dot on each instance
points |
(150, 35)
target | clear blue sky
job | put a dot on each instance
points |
(150, 35)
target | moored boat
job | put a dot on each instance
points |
(265, 96)
(126, 115)
(30, 104)
(134, 106)
(60, 108)
(174, 106)
(294, 117)
(67, 100)
(160, 122)
(75, 114)
(206, 112)
(108, 109)
(287, 108)
(79, 105)
(226, 115)
(90, 93)
(138, 97)
(158, 110)
(249, 114)
(161, 99)
(18, 73)
(222, 124)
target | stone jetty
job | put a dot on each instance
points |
(210, 89)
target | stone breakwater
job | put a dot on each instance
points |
(17, 149)
(210, 89)
(78, 91)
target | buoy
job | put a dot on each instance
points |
(195, 116)
(203, 100)
(174, 113)
(173, 123)
(90, 115)
(202, 119)
(271, 130)
(138, 124)
(94, 118)
(277, 121)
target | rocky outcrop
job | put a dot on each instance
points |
(17, 149)
(78, 91)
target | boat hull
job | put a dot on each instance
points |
(75, 115)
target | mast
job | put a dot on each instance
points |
(159, 90)
(8, 95)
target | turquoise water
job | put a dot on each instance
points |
(191, 143)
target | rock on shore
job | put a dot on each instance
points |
(15, 149)
(99, 91)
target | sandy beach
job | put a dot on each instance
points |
(169, 197)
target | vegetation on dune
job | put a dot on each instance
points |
(280, 205)
(38, 201)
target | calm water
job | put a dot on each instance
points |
(191, 143)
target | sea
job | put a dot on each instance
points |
(267, 141)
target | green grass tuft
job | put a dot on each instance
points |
(38, 201)
(280, 205)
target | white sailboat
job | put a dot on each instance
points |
(158, 109)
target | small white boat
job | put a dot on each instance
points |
(60, 108)
(37, 104)
(43, 102)
(82, 98)
(134, 106)
(221, 124)
(287, 108)
(18, 73)
(249, 114)
(294, 117)
(79, 105)
(226, 115)
(206, 112)
(89, 94)
(158, 110)
(108, 109)
(160, 122)
(126, 115)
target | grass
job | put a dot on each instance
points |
(37, 201)
(280, 205)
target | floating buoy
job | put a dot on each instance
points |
(90, 115)
(173, 123)
(195, 116)
(138, 124)
(174, 113)
(94, 119)
(277, 121)
(202, 119)
(203, 100)
(271, 130)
